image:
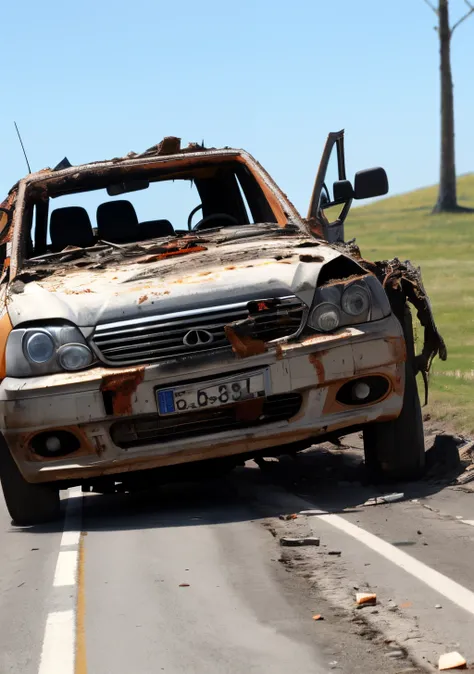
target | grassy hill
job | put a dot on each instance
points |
(443, 246)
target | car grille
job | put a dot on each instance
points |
(153, 428)
(144, 340)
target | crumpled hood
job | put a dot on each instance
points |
(89, 294)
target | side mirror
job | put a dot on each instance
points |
(370, 183)
(342, 191)
(5, 218)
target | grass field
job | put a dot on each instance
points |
(443, 246)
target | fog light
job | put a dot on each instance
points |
(53, 444)
(361, 390)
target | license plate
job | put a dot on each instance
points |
(212, 394)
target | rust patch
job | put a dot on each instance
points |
(279, 352)
(244, 346)
(398, 348)
(123, 385)
(78, 292)
(172, 253)
(318, 339)
(5, 329)
(345, 281)
(311, 258)
(142, 299)
(314, 359)
(6, 233)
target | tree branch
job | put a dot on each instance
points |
(463, 18)
(428, 2)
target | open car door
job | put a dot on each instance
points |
(333, 194)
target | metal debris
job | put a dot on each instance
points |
(386, 498)
(295, 542)
(310, 513)
(402, 281)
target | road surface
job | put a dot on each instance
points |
(192, 579)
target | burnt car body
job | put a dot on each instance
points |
(137, 346)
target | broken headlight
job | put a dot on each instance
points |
(42, 350)
(345, 303)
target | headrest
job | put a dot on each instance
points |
(70, 226)
(117, 222)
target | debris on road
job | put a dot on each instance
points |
(452, 660)
(438, 606)
(294, 542)
(184, 585)
(398, 653)
(467, 476)
(366, 598)
(293, 516)
(335, 552)
(318, 617)
(386, 498)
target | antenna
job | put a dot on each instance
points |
(22, 147)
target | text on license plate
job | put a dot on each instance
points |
(211, 394)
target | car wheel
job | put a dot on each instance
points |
(395, 450)
(27, 503)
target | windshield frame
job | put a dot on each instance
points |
(56, 183)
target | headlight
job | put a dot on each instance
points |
(355, 300)
(325, 317)
(339, 304)
(39, 347)
(74, 356)
(45, 350)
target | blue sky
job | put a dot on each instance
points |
(93, 80)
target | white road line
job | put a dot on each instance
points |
(66, 568)
(59, 643)
(57, 656)
(70, 538)
(437, 581)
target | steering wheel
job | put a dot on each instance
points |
(213, 220)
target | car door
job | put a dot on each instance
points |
(327, 210)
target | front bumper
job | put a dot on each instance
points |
(90, 403)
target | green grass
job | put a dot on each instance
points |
(443, 246)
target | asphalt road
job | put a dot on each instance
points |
(192, 579)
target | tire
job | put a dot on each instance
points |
(27, 503)
(395, 450)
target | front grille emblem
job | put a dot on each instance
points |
(198, 338)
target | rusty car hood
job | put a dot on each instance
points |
(205, 272)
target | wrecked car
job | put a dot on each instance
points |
(130, 346)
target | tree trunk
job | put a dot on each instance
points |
(447, 199)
